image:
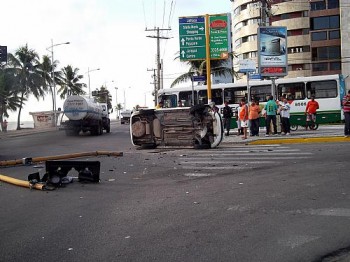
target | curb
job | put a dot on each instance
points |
(324, 139)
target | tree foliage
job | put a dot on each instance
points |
(198, 68)
(25, 75)
(70, 82)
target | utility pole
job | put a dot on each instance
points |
(155, 86)
(158, 37)
(265, 8)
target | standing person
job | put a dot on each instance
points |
(243, 117)
(271, 111)
(227, 115)
(285, 115)
(254, 117)
(214, 108)
(310, 112)
(238, 109)
(346, 109)
(179, 103)
(4, 126)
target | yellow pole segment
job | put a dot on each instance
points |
(207, 44)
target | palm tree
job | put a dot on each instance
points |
(119, 107)
(104, 97)
(46, 73)
(70, 82)
(8, 94)
(198, 68)
(24, 65)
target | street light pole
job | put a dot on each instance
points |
(88, 72)
(53, 77)
(116, 101)
(125, 98)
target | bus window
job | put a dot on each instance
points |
(234, 95)
(168, 100)
(260, 93)
(186, 97)
(292, 91)
(216, 96)
(202, 97)
(322, 89)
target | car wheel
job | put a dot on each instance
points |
(148, 146)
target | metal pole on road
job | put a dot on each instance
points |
(53, 76)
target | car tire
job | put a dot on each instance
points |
(201, 146)
(148, 146)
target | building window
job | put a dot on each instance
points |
(325, 53)
(335, 66)
(320, 5)
(333, 4)
(306, 31)
(318, 36)
(334, 21)
(285, 16)
(335, 34)
(334, 52)
(325, 22)
(320, 67)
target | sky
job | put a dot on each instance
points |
(106, 34)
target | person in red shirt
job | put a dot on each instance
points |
(346, 109)
(243, 117)
(310, 112)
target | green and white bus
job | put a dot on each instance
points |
(328, 91)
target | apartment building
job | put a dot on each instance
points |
(318, 33)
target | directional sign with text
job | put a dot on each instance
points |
(219, 35)
(192, 38)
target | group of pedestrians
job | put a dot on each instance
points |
(249, 116)
(246, 116)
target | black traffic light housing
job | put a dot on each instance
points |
(3, 54)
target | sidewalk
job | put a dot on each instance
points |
(325, 133)
(26, 131)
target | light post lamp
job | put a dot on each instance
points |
(53, 76)
(88, 72)
(116, 95)
(125, 98)
(116, 101)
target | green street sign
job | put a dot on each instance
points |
(219, 34)
(192, 38)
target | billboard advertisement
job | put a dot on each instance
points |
(272, 51)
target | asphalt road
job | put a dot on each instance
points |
(234, 203)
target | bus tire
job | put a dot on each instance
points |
(314, 126)
(294, 127)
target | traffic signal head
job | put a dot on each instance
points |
(3, 53)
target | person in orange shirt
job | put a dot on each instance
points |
(254, 117)
(310, 112)
(243, 117)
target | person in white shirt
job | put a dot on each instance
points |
(285, 115)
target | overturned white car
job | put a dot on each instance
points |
(197, 126)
